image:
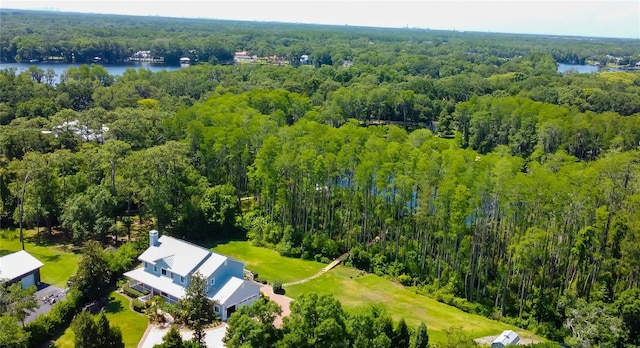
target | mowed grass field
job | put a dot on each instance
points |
(268, 263)
(60, 261)
(132, 324)
(356, 289)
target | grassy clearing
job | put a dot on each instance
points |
(268, 263)
(356, 289)
(60, 261)
(132, 324)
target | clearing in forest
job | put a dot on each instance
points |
(60, 262)
(355, 289)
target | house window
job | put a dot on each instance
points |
(216, 308)
(213, 281)
(155, 268)
(164, 271)
(145, 264)
(182, 279)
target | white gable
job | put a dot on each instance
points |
(17, 264)
(211, 264)
(228, 289)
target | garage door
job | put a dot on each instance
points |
(28, 281)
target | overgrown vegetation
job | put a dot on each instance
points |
(460, 163)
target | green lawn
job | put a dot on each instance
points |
(268, 263)
(356, 289)
(131, 324)
(60, 261)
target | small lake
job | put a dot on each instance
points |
(581, 69)
(113, 69)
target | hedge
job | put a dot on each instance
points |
(131, 292)
(138, 305)
(57, 319)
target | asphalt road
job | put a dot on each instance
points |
(45, 295)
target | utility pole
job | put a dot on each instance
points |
(24, 187)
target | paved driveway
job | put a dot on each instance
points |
(47, 295)
(283, 301)
(153, 335)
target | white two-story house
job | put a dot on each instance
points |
(169, 263)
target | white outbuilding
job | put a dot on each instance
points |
(506, 338)
(20, 266)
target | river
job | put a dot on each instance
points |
(581, 69)
(113, 69)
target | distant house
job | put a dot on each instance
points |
(506, 338)
(169, 263)
(304, 59)
(86, 133)
(185, 61)
(142, 55)
(346, 63)
(20, 266)
(243, 57)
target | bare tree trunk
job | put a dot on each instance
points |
(24, 188)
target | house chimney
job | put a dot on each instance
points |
(153, 238)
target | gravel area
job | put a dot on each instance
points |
(487, 340)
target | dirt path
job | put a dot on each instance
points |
(285, 301)
(321, 272)
(329, 266)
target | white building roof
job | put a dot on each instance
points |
(508, 337)
(233, 285)
(182, 257)
(158, 282)
(211, 264)
(19, 263)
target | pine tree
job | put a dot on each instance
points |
(198, 308)
(421, 337)
(401, 336)
(172, 339)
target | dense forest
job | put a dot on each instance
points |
(462, 164)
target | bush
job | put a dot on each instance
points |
(405, 280)
(57, 319)
(138, 306)
(131, 292)
(277, 287)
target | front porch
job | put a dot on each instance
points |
(142, 287)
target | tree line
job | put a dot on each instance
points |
(487, 180)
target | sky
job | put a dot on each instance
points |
(612, 18)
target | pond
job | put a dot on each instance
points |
(581, 69)
(113, 69)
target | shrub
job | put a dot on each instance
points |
(277, 287)
(57, 319)
(131, 292)
(405, 280)
(138, 306)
